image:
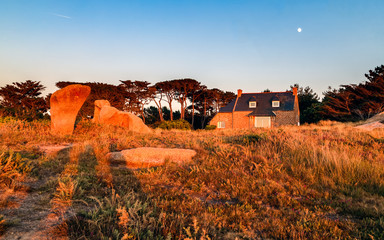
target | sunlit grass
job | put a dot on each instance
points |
(322, 181)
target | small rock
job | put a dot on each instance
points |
(52, 150)
(146, 157)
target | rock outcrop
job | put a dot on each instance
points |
(112, 116)
(146, 157)
(99, 104)
(374, 122)
(65, 104)
(370, 126)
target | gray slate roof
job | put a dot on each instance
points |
(263, 103)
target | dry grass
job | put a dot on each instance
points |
(322, 181)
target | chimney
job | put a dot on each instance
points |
(294, 90)
(239, 92)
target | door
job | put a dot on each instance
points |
(264, 122)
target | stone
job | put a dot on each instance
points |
(53, 150)
(370, 126)
(99, 104)
(65, 104)
(112, 116)
(146, 157)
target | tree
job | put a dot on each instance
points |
(138, 94)
(193, 94)
(156, 95)
(183, 89)
(168, 89)
(23, 99)
(152, 115)
(309, 104)
(356, 102)
(338, 104)
(204, 105)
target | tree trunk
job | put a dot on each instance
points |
(158, 104)
(171, 111)
(204, 114)
(182, 109)
(161, 115)
(142, 114)
(193, 114)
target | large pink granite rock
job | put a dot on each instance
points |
(146, 157)
(65, 104)
(99, 104)
(112, 116)
(370, 126)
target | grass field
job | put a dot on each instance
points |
(322, 181)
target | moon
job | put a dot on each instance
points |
(299, 30)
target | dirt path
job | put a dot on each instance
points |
(26, 220)
(31, 216)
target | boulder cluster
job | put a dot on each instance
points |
(66, 103)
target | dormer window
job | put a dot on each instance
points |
(275, 103)
(252, 104)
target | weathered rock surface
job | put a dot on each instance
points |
(65, 104)
(52, 150)
(146, 157)
(112, 116)
(99, 104)
(370, 126)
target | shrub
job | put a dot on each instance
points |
(175, 124)
(210, 127)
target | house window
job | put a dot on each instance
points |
(252, 104)
(220, 124)
(275, 103)
(262, 122)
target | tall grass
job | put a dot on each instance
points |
(322, 181)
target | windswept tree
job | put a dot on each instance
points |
(23, 100)
(221, 98)
(168, 89)
(209, 102)
(138, 95)
(204, 105)
(156, 95)
(183, 87)
(192, 96)
(356, 102)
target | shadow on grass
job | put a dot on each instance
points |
(111, 213)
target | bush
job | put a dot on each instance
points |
(210, 127)
(175, 124)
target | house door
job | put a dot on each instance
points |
(263, 122)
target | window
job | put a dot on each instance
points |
(252, 104)
(262, 122)
(275, 103)
(220, 124)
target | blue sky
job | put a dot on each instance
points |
(252, 45)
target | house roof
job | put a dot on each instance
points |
(263, 103)
(261, 112)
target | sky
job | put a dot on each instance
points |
(226, 44)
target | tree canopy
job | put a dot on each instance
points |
(23, 100)
(309, 105)
(356, 101)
